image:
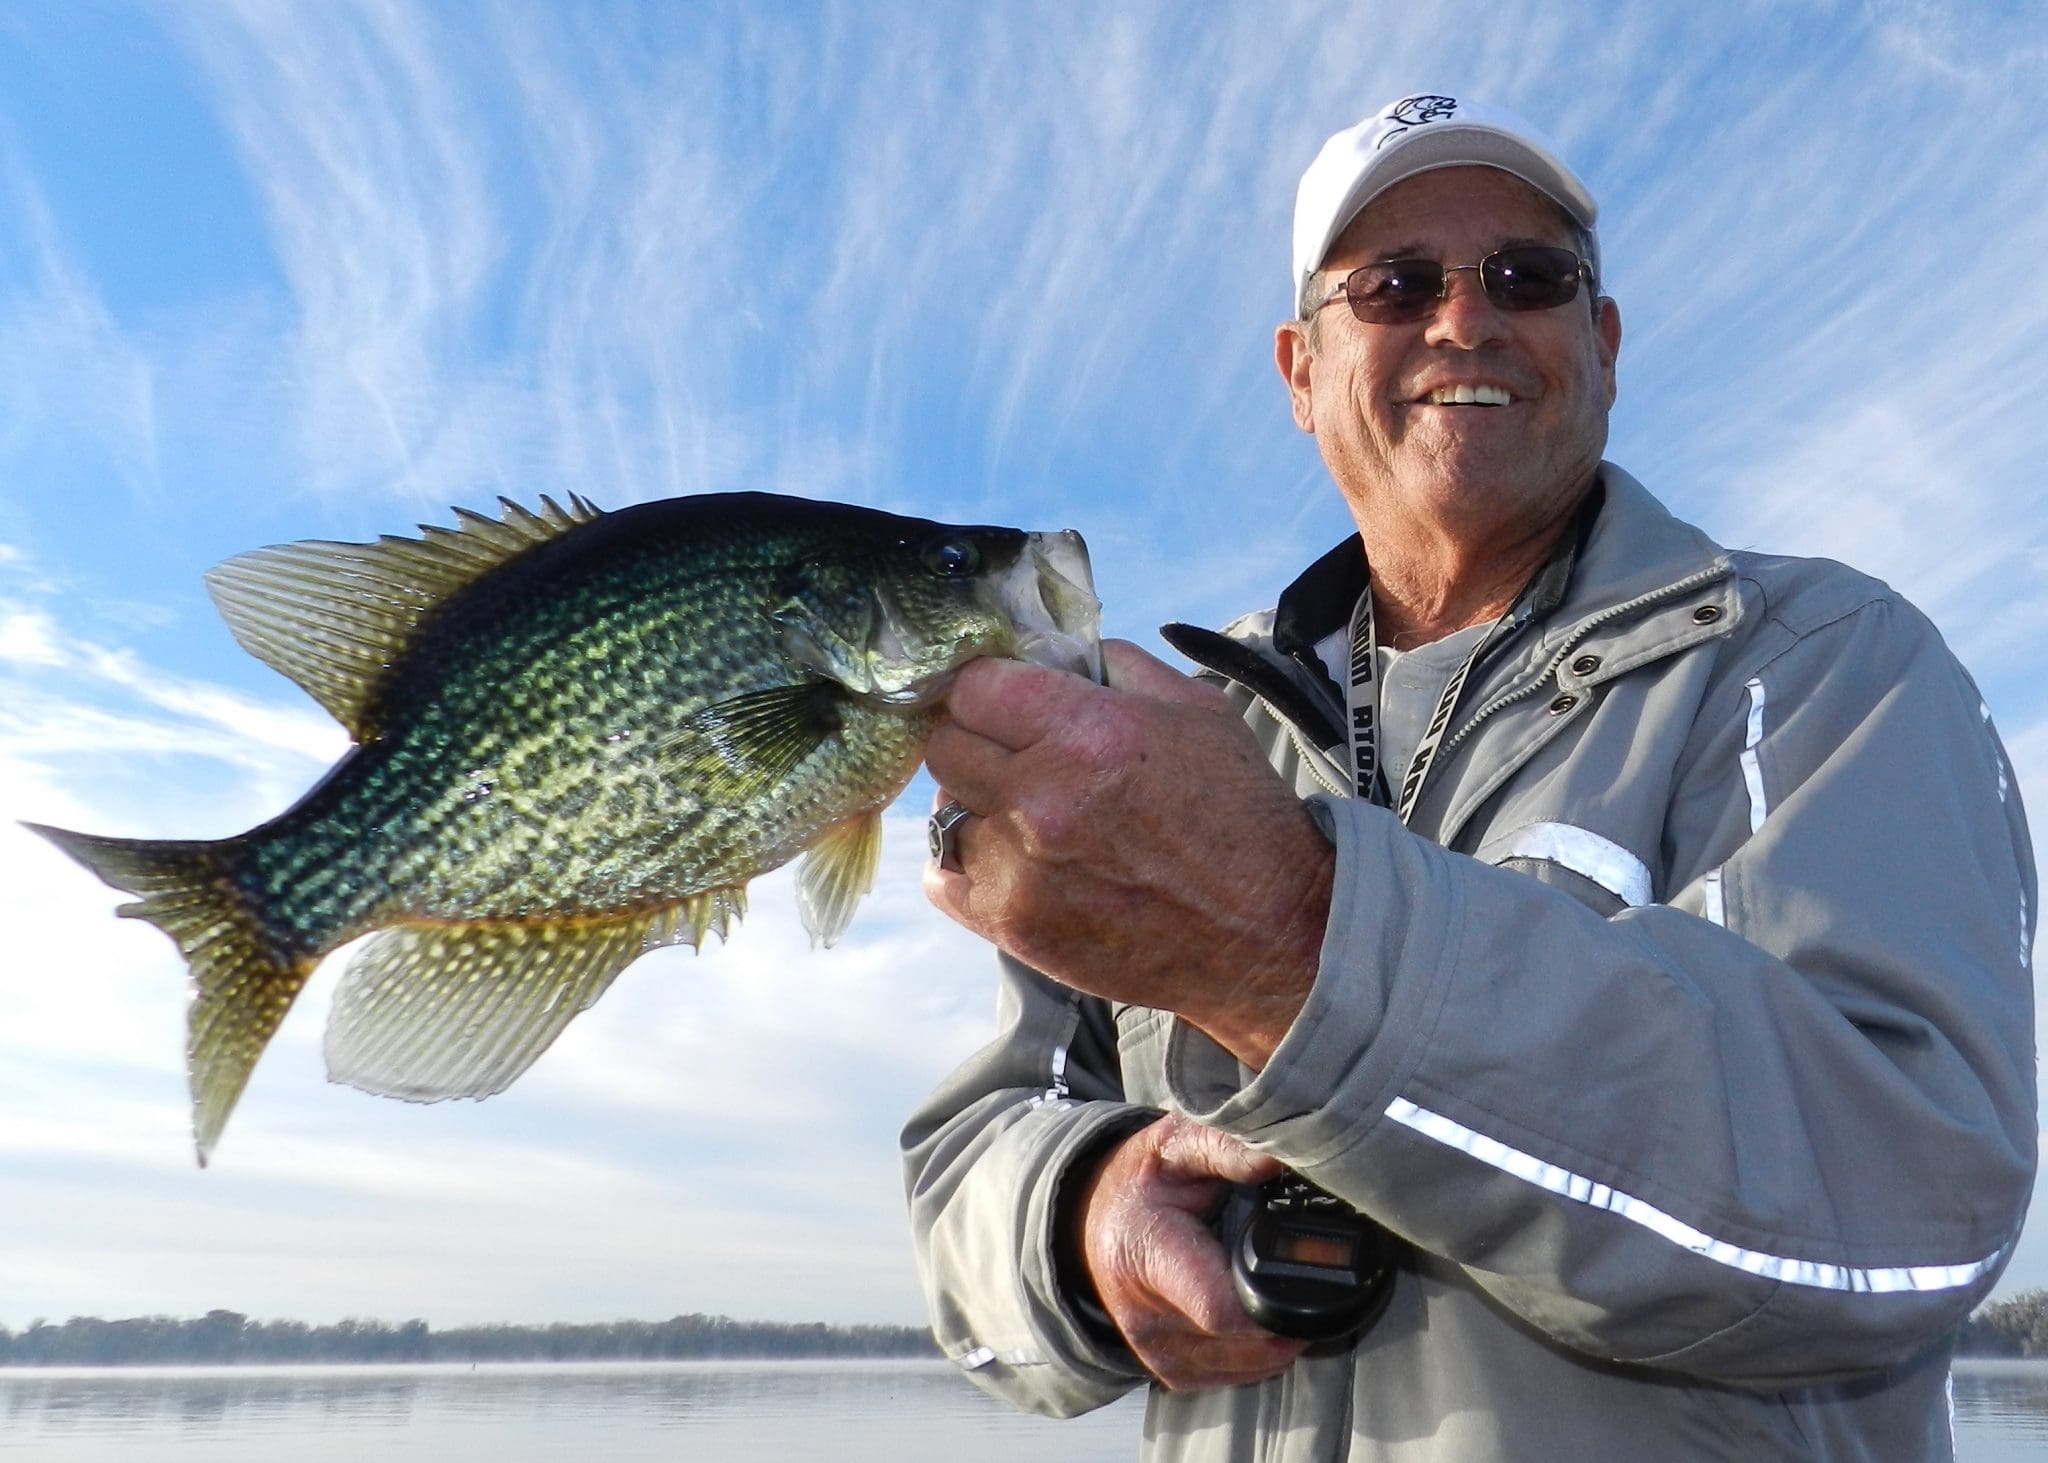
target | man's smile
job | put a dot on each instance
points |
(1465, 394)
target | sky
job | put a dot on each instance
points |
(274, 271)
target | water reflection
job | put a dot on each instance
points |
(509, 1414)
(859, 1412)
(2001, 1411)
(173, 1400)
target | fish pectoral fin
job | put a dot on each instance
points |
(748, 743)
(334, 617)
(427, 1012)
(837, 871)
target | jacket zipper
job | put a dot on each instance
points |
(1309, 757)
(1571, 643)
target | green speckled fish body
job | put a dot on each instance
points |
(579, 735)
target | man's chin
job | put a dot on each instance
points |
(1461, 464)
(1471, 489)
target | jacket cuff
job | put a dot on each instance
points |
(1390, 939)
(1076, 1290)
(1086, 1332)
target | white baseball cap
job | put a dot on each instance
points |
(1416, 134)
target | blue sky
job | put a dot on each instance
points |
(272, 271)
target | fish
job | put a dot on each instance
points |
(577, 735)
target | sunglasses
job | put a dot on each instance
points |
(1519, 277)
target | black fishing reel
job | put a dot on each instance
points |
(1305, 1264)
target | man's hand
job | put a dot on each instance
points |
(1162, 1276)
(1132, 842)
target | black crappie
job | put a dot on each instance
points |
(578, 735)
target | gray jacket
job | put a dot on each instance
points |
(1687, 1036)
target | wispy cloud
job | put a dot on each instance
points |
(358, 141)
(1997, 41)
(81, 393)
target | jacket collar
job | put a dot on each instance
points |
(1321, 600)
(1626, 547)
(1635, 549)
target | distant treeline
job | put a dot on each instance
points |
(227, 1336)
(2016, 1327)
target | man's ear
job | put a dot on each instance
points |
(1607, 325)
(1293, 354)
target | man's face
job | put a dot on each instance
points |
(1473, 472)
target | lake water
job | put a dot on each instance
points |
(2001, 1411)
(773, 1412)
(781, 1412)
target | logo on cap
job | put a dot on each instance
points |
(1413, 112)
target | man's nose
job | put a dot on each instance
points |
(1465, 317)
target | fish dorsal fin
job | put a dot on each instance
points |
(838, 870)
(334, 617)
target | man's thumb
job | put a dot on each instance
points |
(1191, 1151)
(1131, 669)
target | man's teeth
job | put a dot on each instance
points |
(1469, 396)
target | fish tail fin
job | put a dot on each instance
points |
(245, 974)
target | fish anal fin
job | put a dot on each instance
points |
(746, 744)
(837, 871)
(432, 1011)
(713, 912)
(334, 617)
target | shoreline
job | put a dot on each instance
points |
(619, 1366)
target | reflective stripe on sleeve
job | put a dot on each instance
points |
(1563, 1182)
(1056, 1089)
(2004, 792)
(2004, 784)
(980, 1356)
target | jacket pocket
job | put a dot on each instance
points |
(1595, 870)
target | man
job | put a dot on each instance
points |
(1636, 929)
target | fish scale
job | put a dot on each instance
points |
(578, 736)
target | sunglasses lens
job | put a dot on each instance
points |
(1521, 277)
(1395, 290)
(1530, 277)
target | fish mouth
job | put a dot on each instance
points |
(1049, 597)
(1039, 607)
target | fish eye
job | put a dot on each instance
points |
(952, 558)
